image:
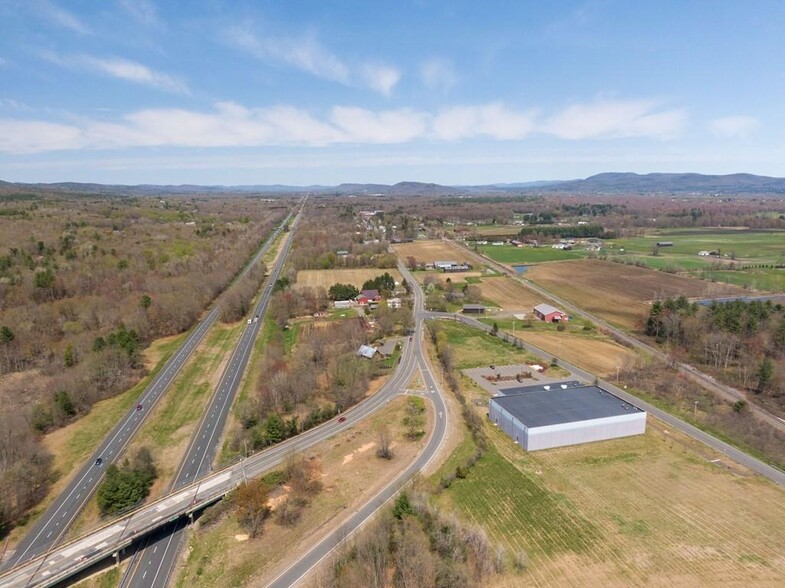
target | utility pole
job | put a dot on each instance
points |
(695, 411)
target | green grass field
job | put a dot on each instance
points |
(185, 402)
(737, 246)
(473, 348)
(510, 254)
(515, 507)
(745, 245)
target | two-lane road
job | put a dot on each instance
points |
(416, 355)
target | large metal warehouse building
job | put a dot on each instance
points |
(565, 413)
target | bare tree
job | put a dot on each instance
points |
(384, 451)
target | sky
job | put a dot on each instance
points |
(455, 92)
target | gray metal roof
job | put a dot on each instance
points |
(546, 309)
(565, 402)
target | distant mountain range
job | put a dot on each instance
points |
(605, 183)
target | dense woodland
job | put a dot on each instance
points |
(743, 342)
(86, 283)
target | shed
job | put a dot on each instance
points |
(473, 309)
(366, 351)
(564, 413)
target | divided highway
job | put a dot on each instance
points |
(153, 563)
(69, 559)
(52, 524)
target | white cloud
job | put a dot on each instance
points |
(229, 124)
(734, 126)
(34, 136)
(143, 11)
(61, 17)
(3, 62)
(123, 69)
(615, 119)
(305, 53)
(492, 120)
(136, 72)
(438, 74)
(381, 78)
(389, 126)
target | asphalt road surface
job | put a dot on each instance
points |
(299, 569)
(68, 559)
(153, 563)
(764, 469)
(52, 524)
(80, 553)
(704, 380)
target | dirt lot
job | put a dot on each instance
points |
(509, 294)
(619, 293)
(222, 554)
(430, 251)
(598, 356)
(356, 277)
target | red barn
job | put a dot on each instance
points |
(550, 314)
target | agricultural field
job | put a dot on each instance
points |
(509, 294)
(430, 251)
(748, 245)
(594, 353)
(651, 509)
(620, 293)
(738, 248)
(356, 277)
(524, 255)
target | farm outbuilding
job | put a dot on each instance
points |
(550, 314)
(474, 309)
(565, 413)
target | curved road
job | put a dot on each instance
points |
(52, 524)
(70, 558)
(298, 570)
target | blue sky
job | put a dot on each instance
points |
(305, 92)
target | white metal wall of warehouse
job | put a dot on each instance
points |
(572, 433)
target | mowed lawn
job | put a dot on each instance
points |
(473, 348)
(645, 510)
(620, 293)
(355, 277)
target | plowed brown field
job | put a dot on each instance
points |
(620, 293)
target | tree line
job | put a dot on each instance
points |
(744, 341)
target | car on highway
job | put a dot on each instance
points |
(341, 419)
(249, 321)
(99, 461)
(139, 406)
